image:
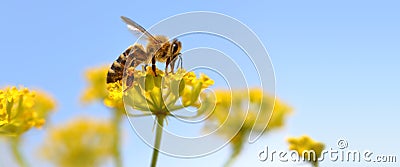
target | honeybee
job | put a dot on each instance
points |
(158, 49)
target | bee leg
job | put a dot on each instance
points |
(173, 61)
(172, 65)
(166, 65)
(129, 82)
(153, 65)
(180, 60)
(129, 79)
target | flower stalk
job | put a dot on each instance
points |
(15, 143)
(157, 141)
(116, 123)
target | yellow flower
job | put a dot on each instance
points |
(242, 107)
(114, 98)
(279, 114)
(79, 143)
(97, 89)
(238, 112)
(307, 148)
(160, 94)
(22, 109)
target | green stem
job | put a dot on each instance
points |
(117, 137)
(230, 161)
(235, 154)
(157, 141)
(237, 143)
(314, 163)
(15, 142)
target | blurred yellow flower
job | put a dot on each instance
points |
(240, 108)
(97, 89)
(80, 143)
(307, 148)
(21, 109)
(160, 94)
(238, 112)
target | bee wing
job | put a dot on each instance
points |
(138, 30)
(136, 56)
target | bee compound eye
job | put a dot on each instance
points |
(175, 48)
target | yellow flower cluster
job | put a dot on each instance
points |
(303, 143)
(193, 86)
(238, 112)
(160, 94)
(81, 143)
(97, 88)
(114, 98)
(239, 108)
(22, 109)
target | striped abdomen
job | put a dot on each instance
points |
(133, 55)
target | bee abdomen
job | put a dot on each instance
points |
(134, 54)
(120, 62)
(112, 76)
(116, 70)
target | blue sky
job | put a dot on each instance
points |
(336, 63)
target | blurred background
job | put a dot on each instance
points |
(336, 64)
